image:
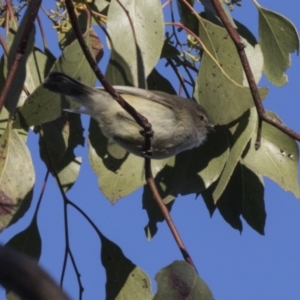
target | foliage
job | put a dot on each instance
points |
(227, 170)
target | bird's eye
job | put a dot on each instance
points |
(201, 118)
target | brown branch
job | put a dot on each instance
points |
(141, 120)
(165, 212)
(22, 275)
(33, 9)
(240, 46)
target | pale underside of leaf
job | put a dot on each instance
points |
(220, 87)
(278, 38)
(277, 157)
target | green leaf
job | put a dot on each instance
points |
(253, 201)
(136, 37)
(28, 241)
(180, 281)
(231, 201)
(169, 51)
(61, 137)
(14, 97)
(278, 38)
(241, 137)
(187, 18)
(119, 173)
(157, 82)
(277, 157)
(153, 211)
(125, 280)
(44, 106)
(99, 5)
(16, 177)
(220, 87)
(243, 196)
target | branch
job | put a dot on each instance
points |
(240, 46)
(33, 9)
(22, 275)
(141, 120)
(165, 212)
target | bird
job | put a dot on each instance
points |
(178, 123)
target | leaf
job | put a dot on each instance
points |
(212, 14)
(219, 88)
(157, 82)
(243, 196)
(125, 280)
(100, 5)
(16, 177)
(278, 37)
(256, 61)
(277, 157)
(119, 173)
(58, 140)
(231, 201)
(180, 281)
(44, 106)
(169, 51)
(189, 172)
(253, 210)
(241, 137)
(21, 77)
(132, 46)
(28, 241)
(153, 211)
(187, 18)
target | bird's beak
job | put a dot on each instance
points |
(210, 129)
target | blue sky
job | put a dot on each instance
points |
(247, 266)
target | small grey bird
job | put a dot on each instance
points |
(179, 124)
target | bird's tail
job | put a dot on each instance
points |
(60, 83)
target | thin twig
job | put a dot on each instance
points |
(68, 250)
(171, 63)
(240, 46)
(42, 33)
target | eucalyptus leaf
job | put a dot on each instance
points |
(136, 37)
(58, 140)
(278, 37)
(14, 97)
(125, 280)
(277, 157)
(253, 210)
(28, 241)
(44, 106)
(220, 87)
(157, 82)
(241, 137)
(243, 196)
(180, 281)
(187, 18)
(119, 173)
(17, 177)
